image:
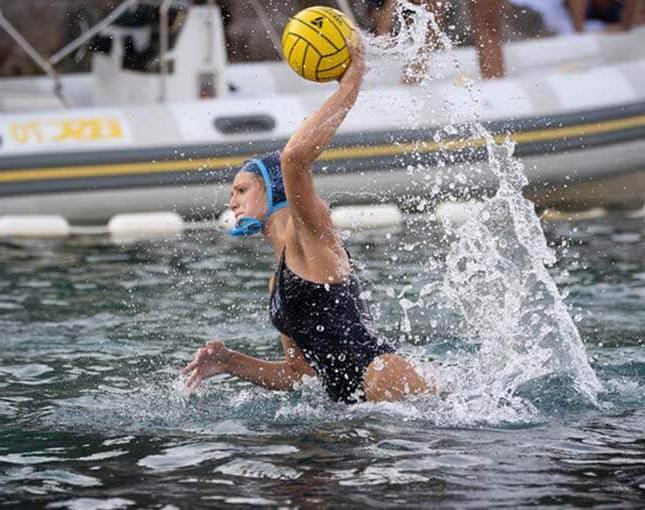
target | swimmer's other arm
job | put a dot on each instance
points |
(215, 358)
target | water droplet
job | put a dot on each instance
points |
(365, 295)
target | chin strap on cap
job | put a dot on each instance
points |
(246, 227)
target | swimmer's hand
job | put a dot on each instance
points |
(353, 77)
(210, 360)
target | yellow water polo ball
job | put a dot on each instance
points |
(314, 43)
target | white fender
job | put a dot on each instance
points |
(366, 216)
(41, 226)
(129, 227)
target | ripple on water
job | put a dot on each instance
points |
(393, 448)
(30, 480)
(28, 459)
(9, 306)
(274, 449)
(25, 372)
(377, 475)
(93, 504)
(187, 455)
(103, 455)
(248, 501)
(247, 468)
(7, 409)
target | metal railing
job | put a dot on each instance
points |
(35, 56)
(86, 36)
(47, 65)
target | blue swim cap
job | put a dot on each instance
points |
(267, 167)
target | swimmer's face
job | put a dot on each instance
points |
(248, 197)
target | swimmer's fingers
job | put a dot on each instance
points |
(200, 356)
(197, 359)
(207, 362)
(194, 380)
(354, 73)
(190, 367)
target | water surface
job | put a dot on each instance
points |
(92, 416)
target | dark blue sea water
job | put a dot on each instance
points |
(92, 414)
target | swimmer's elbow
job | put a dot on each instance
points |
(297, 370)
(290, 379)
(291, 157)
(296, 157)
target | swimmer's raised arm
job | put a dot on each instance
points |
(315, 133)
(313, 136)
(215, 358)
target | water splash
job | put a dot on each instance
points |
(416, 41)
(415, 25)
(496, 278)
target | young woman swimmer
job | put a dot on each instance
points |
(315, 292)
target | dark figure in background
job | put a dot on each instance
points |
(486, 25)
(616, 14)
(485, 17)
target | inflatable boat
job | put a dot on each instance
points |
(163, 126)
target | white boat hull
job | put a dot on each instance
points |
(574, 118)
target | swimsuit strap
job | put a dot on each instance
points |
(268, 184)
(281, 267)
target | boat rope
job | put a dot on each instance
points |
(268, 26)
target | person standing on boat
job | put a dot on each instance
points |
(315, 301)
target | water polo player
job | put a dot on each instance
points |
(315, 291)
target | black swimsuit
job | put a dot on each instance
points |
(327, 322)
